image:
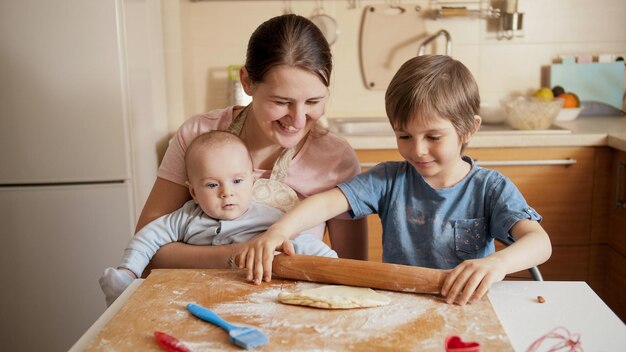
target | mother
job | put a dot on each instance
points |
(287, 74)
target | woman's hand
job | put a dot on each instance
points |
(470, 280)
(258, 254)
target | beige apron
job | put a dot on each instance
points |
(273, 191)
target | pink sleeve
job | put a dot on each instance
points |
(172, 167)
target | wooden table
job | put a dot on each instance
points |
(410, 322)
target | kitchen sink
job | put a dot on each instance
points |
(379, 126)
(361, 126)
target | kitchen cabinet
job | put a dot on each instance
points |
(617, 230)
(615, 255)
(600, 219)
(557, 182)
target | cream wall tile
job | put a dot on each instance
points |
(175, 98)
(469, 55)
(462, 30)
(520, 68)
(570, 21)
(514, 68)
(214, 34)
(170, 12)
(210, 83)
(574, 20)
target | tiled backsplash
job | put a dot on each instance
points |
(214, 34)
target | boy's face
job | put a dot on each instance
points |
(433, 147)
(220, 180)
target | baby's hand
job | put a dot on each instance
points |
(258, 254)
(470, 280)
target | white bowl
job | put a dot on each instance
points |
(529, 113)
(568, 114)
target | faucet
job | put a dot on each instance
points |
(443, 32)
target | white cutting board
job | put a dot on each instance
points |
(602, 82)
(389, 37)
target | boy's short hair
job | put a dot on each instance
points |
(433, 85)
(213, 139)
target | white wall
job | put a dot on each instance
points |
(214, 34)
(143, 37)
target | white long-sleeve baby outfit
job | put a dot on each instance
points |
(191, 225)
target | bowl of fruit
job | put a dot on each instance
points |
(571, 104)
(531, 113)
(570, 108)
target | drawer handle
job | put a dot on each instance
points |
(557, 162)
(368, 165)
(619, 201)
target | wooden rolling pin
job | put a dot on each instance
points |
(391, 277)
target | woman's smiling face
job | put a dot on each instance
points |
(287, 104)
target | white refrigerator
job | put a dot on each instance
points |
(66, 191)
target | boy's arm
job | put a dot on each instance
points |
(472, 278)
(258, 254)
(531, 247)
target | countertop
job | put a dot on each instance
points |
(587, 131)
(571, 305)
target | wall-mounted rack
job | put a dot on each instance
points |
(511, 23)
(502, 16)
(459, 8)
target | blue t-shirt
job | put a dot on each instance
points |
(437, 228)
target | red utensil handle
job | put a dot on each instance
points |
(169, 342)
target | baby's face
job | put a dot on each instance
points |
(220, 180)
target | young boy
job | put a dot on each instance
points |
(438, 208)
(222, 211)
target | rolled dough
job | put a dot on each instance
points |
(335, 297)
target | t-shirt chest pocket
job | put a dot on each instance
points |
(470, 237)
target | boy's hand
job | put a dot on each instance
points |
(470, 280)
(258, 255)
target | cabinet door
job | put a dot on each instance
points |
(617, 232)
(616, 283)
(616, 258)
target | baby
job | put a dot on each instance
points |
(222, 211)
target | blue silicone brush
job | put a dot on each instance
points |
(242, 336)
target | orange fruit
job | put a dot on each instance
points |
(577, 99)
(569, 100)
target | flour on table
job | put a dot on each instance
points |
(335, 297)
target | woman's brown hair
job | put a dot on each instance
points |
(290, 40)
